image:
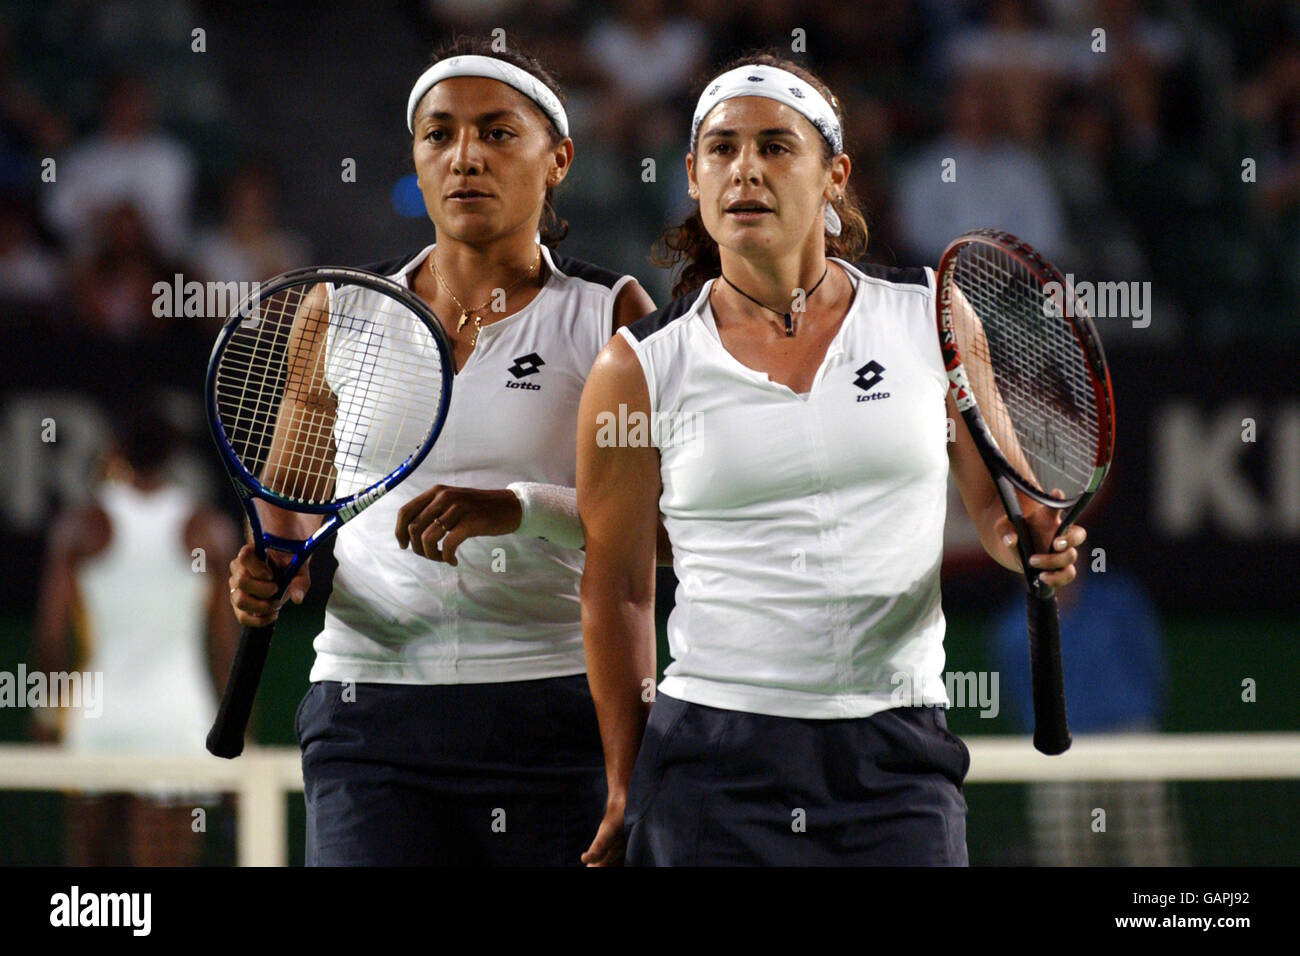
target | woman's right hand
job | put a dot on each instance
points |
(252, 587)
(609, 844)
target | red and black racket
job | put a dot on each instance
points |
(1028, 375)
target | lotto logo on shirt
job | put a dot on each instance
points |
(525, 365)
(868, 377)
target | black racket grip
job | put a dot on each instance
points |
(1051, 732)
(226, 738)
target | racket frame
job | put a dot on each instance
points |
(1051, 729)
(337, 512)
(226, 738)
(1085, 334)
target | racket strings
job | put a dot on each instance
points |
(1026, 369)
(273, 379)
(321, 403)
(390, 395)
(301, 467)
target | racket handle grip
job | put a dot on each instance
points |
(1051, 732)
(226, 738)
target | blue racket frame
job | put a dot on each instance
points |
(339, 512)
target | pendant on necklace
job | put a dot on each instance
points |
(789, 326)
(464, 317)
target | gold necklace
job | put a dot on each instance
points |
(465, 313)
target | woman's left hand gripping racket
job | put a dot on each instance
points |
(1027, 372)
(326, 388)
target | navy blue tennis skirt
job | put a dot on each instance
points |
(716, 787)
(451, 774)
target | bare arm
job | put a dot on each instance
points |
(219, 539)
(1055, 556)
(618, 490)
(306, 413)
(977, 492)
(992, 405)
(74, 536)
(53, 615)
(635, 303)
(307, 409)
(54, 601)
(434, 523)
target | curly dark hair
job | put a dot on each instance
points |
(688, 247)
(553, 227)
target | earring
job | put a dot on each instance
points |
(831, 220)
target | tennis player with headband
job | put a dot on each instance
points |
(805, 513)
(449, 719)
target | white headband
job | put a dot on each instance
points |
(784, 87)
(775, 84)
(493, 69)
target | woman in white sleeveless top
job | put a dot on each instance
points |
(449, 720)
(798, 453)
(134, 577)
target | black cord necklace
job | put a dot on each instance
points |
(789, 324)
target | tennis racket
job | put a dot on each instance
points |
(1027, 373)
(326, 388)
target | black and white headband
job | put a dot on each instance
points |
(775, 84)
(493, 69)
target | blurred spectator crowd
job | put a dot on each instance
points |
(1130, 141)
(100, 190)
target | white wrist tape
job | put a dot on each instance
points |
(550, 512)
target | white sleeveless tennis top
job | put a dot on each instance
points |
(142, 617)
(806, 531)
(509, 610)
